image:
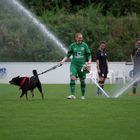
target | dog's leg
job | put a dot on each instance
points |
(38, 83)
(32, 92)
(42, 95)
(22, 94)
(26, 95)
(40, 89)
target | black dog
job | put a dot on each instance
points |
(28, 83)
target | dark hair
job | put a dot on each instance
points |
(102, 42)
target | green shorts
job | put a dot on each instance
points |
(75, 70)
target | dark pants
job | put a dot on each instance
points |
(136, 74)
(103, 72)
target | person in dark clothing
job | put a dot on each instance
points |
(102, 65)
(135, 57)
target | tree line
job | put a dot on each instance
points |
(116, 7)
(116, 22)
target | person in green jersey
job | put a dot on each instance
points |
(81, 56)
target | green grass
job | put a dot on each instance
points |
(56, 118)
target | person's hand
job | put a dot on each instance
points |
(107, 70)
(89, 63)
(98, 70)
(87, 68)
(61, 62)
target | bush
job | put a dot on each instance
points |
(20, 40)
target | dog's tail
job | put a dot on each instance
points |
(35, 73)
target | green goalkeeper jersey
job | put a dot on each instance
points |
(80, 53)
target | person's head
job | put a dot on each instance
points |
(102, 45)
(79, 37)
(137, 43)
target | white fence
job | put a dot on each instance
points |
(8, 70)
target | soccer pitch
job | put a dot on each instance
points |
(57, 118)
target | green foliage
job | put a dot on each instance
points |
(121, 7)
(20, 40)
(115, 7)
(119, 33)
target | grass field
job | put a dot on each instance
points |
(57, 118)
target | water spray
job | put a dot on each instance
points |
(135, 79)
(94, 81)
(41, 26)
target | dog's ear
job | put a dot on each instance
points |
(18, 76)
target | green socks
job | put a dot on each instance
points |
(72, 87)
(83, 86)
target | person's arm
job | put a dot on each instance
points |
(97, 65)
(69, 53)
(97, 61)
(89, 62)
(64, 60)
(107, 65)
